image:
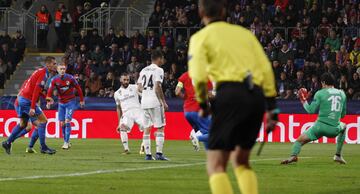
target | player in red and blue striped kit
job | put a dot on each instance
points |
(65, 84)
(27, 109)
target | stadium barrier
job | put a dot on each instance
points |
(102, 124)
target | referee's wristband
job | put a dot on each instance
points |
(270, 103)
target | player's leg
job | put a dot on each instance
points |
(14, 133)
(69, 111)
(42, 134)
(126, 125)
(34, 137)
(146, 134)
(61, 115)
(204, 125)
(216, 168)
(191, 118)
(25, 131)
(159, 123)
(312, 134)
(340, 142)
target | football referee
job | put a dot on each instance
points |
(232, 57)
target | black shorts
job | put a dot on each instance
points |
(237, 116)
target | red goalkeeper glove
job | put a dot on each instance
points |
(303, 95)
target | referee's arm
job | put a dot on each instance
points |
(197, 61)
(268, 82)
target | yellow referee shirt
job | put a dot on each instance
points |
(225, 52)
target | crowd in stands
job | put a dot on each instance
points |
(302, 39)
(11, 53)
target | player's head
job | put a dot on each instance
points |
(125, 80)
(327, 79)
(61, 68)
(212, 9)
(50, 63)
(157, 57)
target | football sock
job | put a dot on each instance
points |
(340, 142)
(160, 138)
(247, 180)
(220, 184)
(34, 137)
(147, 144)
(124, 139)
(14, 133)
(22, 133)
(67, 132)
(296, 148)
(42, 132)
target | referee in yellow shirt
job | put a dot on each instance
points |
(232, 57)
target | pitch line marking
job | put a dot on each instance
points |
(121, 170)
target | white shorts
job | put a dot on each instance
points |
(155, 117)
(133, 116)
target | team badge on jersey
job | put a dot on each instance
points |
(67, 83)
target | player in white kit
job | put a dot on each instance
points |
(128, 109)
(153, 103)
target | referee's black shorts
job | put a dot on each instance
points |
(237, 116)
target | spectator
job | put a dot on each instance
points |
(277, 41)
(44, 20)
(79, 11)
(83, 53)
(8, 57)
(155, 17)
(299, 81)
(333, 41)
(123, 39)
(19, 45)
(342, 56)
(3, 72)
(97, 55)
(125, 54)
(110, 83)
(290, 69)
(263, 14)
(283, 85)
(94, 84)
(95, 39)
(235, 15)
(343, 83)
(327, 54)
(355, 56)
(313, 55)
(277, 69)
(285, 54)
(141, 54)
(136, 40)
(315, 85)
(101, 93)
(152, 41)
(71, 54)
(109, 39)
(83, 39)
(114, 57)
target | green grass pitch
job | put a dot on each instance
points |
(97, 166)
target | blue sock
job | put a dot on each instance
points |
(63, 129)
(42, 133)
(22, 133)
(34, 137)
(204, 138)
(14, 133)
(67, 132)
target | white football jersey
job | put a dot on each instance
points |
(127, 98)
(148, 77)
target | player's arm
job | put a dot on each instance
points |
(36, 95)
(197, 61)
(343, 112)
(179, 90)
(159, 76)
(49, 98)
(79, 91)
(118, 111)
(314, 106)
(140, 87)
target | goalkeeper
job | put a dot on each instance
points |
(331, 103)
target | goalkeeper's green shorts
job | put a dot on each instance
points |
(321, 129)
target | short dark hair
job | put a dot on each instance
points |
(213, 8)
(155, 54)
(328, 79)
(125, 74)
(48, 59)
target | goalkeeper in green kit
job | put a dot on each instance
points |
(331, 104)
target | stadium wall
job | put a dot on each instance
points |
(102, 124)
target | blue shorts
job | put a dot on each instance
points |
(197, 122)
(23, 109)
(67, 110)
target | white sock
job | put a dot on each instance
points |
(147, 144)
(160, 138)
(124, 140)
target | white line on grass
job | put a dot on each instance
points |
(120, 170)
